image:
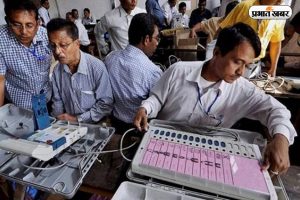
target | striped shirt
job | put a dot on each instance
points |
(26, 70)
(86, 94)
(132, 75)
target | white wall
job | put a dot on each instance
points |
(2, 14)
(58, 8)
(61, 7)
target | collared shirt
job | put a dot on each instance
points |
(185, 20)
(169, 12)
(86, 94)
(268, 30)
(116, 23)
(26, 70)
(88, 20)
(180, 96)
(83, 35)
(132, 74)
(153, 8)
(44, 14)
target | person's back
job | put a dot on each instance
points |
(153, 8)
(25, 55)
(132, 73)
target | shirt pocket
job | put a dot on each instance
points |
(87, 99)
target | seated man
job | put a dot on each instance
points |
(80, 82)
(214, 93)
(132, 73)
(185, 18)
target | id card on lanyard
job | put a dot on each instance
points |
(39, 107)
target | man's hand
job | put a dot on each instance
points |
(272, 72)
(276, 156)
(193, 33)
(67, 117)
(140, 120)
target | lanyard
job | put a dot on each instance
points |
(212, 103)
(34, 53)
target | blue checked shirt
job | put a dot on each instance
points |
(132, 74)
(26, 70)
(86, 94)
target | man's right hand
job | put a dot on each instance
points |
(193, 33)
(140, 120)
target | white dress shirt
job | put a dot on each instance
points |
(44, 14)
(116, 23)
(83, 35)
(185, 20)
(180, 95)
(169, 12)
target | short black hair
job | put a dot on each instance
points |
(43, 1)
(296, 20)
(86, 9)
(141, 25)
(14, 5)
(74, 10)
(59, 24)
(230, 6)
(182, 5)
(232, 36)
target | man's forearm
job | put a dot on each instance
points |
(275, 48)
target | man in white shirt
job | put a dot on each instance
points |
(116, 23)
(185, 18)
(213, 93)
(170, 10)
(43, 12)
(83, 35)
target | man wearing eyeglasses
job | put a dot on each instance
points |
(80, 82)
(213, 93)
(132, 73)
(25, 56)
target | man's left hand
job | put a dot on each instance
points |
(67, 117)
(276, 156)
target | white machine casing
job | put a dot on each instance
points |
(45, 144)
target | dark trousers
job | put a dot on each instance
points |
(120, 126)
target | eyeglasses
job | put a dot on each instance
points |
(157, 38)
(60, 46)
(17, 26)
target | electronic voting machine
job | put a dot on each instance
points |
(211, 164)
(55, 159)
